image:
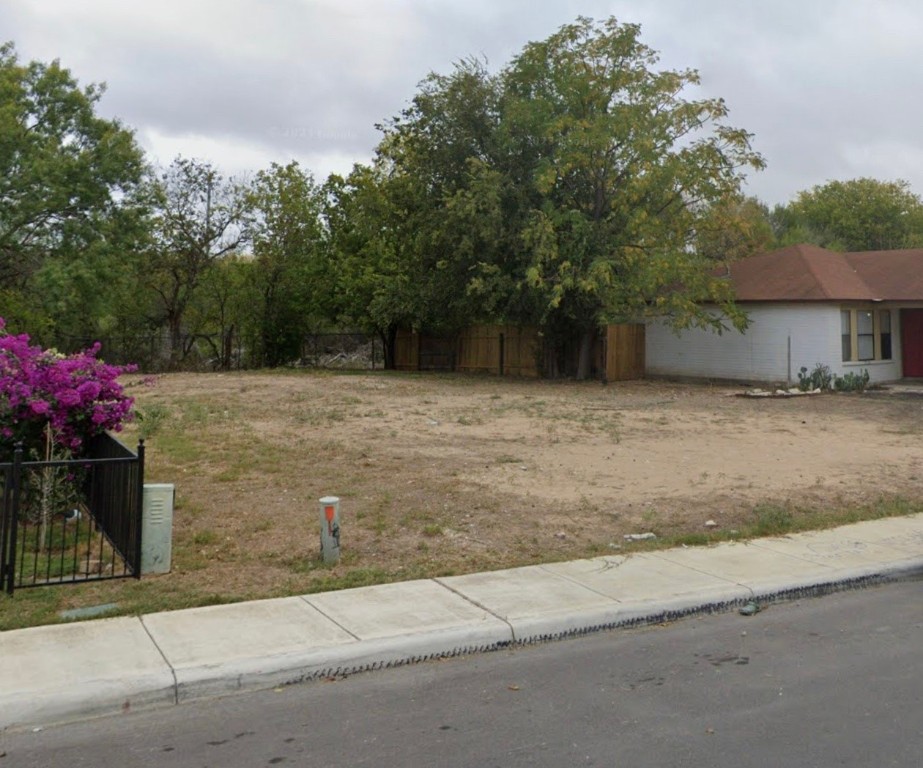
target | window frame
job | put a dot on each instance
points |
(849, 321)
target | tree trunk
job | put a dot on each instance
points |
(551, 368)
(585, 358)
(175, 323)
(388, 344)
(227, 347)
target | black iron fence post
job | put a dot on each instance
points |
(139, 510)
(12, 522)
(6, 510)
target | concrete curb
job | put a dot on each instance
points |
(361, 656)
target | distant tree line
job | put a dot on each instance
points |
(576, 186)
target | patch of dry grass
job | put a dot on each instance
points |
(452, 474)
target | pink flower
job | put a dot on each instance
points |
(69, 397)
(89, 390)
(78, 396)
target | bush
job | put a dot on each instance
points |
(852, 382)
(65, 398)
(820, 378)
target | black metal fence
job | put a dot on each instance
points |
(211, 352)
(71, 520)
(348, 351)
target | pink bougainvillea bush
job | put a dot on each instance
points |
(71, 397)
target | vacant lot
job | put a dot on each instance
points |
(447, 474)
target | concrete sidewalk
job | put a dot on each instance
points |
(85, 669)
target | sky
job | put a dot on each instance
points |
(829, 88)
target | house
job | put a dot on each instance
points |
(807, 305)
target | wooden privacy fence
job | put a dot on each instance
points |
(624, 352)
(506, 350)
(509, 350)
(423, 352)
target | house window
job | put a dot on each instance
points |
(884, 318)
(865, 334)
(846, 333)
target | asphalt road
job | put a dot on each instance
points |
(833, 681)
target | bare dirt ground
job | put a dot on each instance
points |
(449, 474)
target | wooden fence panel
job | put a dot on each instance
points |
(407, 351)
(498, 349)
(625, 352)
(422, 352)
(511, 350)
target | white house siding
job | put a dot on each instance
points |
(781, 338)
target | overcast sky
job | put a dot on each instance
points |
(830, 88)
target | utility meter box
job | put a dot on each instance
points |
(157, 528)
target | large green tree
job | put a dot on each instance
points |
(855, 215)
(733, 228)
(569, 189)
(67, 178)
(438, 168)
(372, 254)
(290, 277)
(199, 218)
(623, 167)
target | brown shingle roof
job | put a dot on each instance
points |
(896, 275)
(811, 273)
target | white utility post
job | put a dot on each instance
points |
(330, 528)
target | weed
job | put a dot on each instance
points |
(151, 418)
(772, 520)
(507, 459)
(205, 538)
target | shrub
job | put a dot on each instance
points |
(67, 398)
(820, 378)
(852, 382)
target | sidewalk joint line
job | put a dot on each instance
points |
(330, 618)
(166, 660)
(475, 603)
(572, 580)
(658, 555)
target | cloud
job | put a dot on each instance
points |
(828, 88)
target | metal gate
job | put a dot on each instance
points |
(72, 520)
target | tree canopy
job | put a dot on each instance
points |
(578, 184)
(567, 189)
(198, 217)
(289, 269)
(855, 215)
(65, 175)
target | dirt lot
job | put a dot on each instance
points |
(441, 474)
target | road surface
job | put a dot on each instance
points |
(832, 681)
